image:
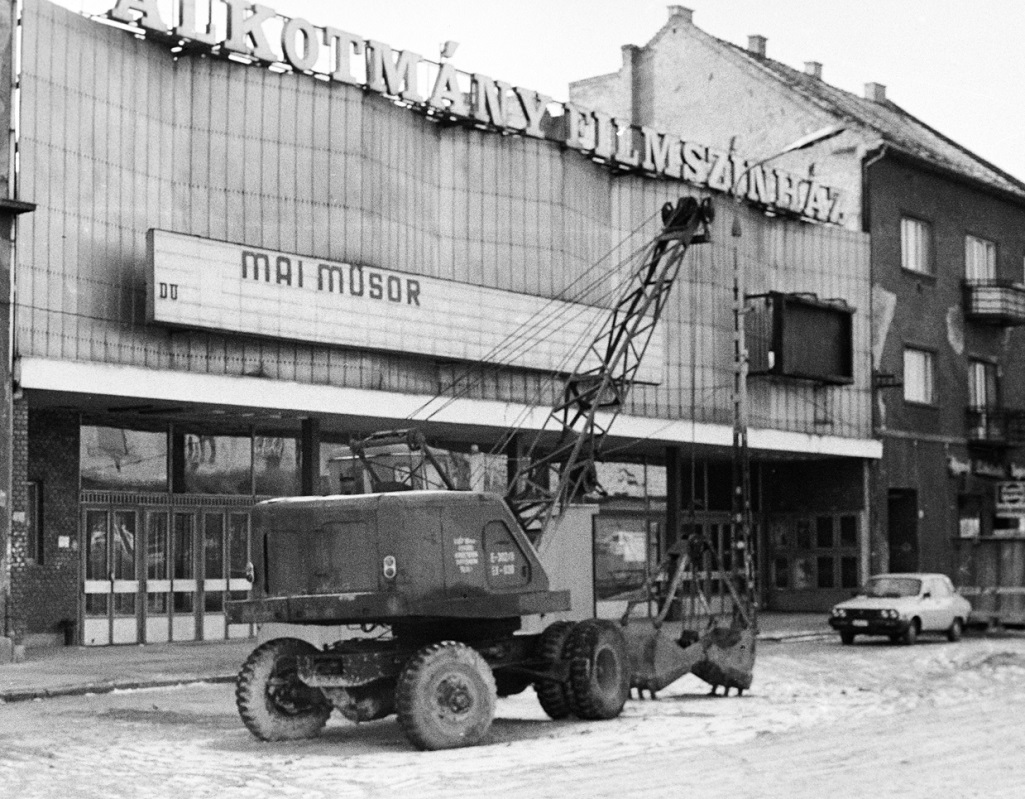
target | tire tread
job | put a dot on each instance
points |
(553, 696)
(255, 707)
(413, 710)
(589, 702)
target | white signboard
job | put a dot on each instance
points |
(1011, 498)
(201, 283)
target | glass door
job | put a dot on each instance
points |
(239, 572)
(183, 577)
(111, 578)
(215, 583)
(156, 574)
(96, 621)
(158, 578)
(124, 578)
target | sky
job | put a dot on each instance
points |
(959, 66)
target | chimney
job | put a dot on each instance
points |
(876, 92)
(813, 68)
(681, 14)
(756, 45)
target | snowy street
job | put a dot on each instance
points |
(820, 720)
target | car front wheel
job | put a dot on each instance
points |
(955, 630)
(846, 638)
(911, 634)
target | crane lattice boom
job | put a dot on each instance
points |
(596, 391)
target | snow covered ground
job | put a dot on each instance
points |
(820, 720)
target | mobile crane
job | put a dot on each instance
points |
(449, 575)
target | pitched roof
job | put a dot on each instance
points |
(895, 126)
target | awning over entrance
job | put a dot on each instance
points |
(110, 388)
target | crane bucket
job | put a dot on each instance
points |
(720, 656)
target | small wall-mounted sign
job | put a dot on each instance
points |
(1011, 497)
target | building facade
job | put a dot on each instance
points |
(948, 287)
(234, 255)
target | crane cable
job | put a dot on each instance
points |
(519, 340)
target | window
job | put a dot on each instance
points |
(918, 376)
(781, 570)
(824, 532)
(982, 385)
(916, 245)
(118, 459)
(980, 259)
(848, 531)
(824, 572)
(217, 464)
(849, 572)
(817, 552)
(34, 522)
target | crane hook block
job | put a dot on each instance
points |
(688, 215)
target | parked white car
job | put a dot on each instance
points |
(902, 606)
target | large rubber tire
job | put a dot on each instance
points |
(554, 696)
(846, 638)
(911, 634)
(955, 630)
(599, 670)
(273, 703)
(445, 697)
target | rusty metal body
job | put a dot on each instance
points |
(390, 558)
(721, 656)
(420, 566)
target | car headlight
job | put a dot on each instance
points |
(839, 612)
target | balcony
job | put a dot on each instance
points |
(995, 427)
(995, 301)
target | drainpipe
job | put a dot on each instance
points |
(7, 389)
(870, 157)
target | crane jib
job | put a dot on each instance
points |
(618, 349)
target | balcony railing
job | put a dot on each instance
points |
(995, 301)
(999, 427)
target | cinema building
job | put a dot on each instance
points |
(947, 232)
(230, 256)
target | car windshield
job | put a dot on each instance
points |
(892, 586)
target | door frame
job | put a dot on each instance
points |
(143, 508)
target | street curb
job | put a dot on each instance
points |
(809, 635)
(28, 695)
(31, 694)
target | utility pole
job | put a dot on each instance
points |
(741, 518)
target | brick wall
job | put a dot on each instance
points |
(45, 451)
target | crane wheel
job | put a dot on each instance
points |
(445, 697)
(599, 670)
(554, 696)
(273, 703)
